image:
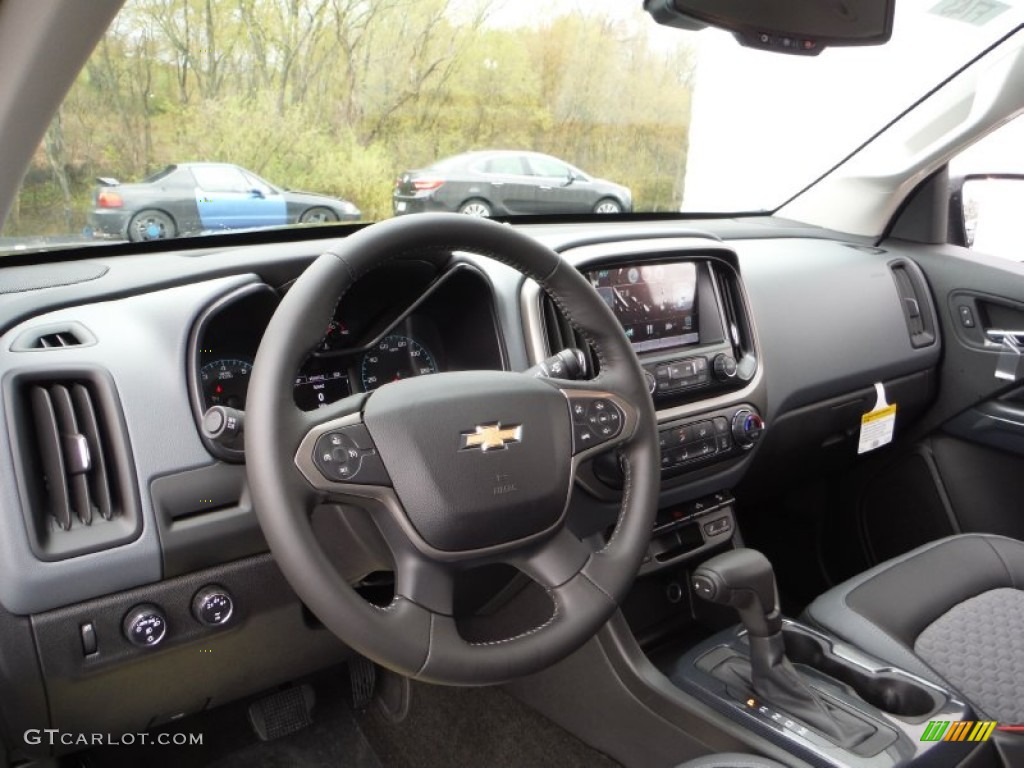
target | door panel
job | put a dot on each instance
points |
(226, 199)
(975, 430)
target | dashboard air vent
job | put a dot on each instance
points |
(73, 461)
(915, 303)
(71, 453)
(53, 336)
(738, 329)
(58, 339)
(560, 334)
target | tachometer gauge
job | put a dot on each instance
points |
(225, 382)
(395, 357)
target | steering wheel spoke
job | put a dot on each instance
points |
(426, 582)
(555, 561)
(339, 456)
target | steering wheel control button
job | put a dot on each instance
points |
(579, 412)
(582, 438)
(595, 421)
(348, 455)
(212, 606)
(145, 626)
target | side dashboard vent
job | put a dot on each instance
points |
(915, 303)
(74, 463)
(739, 330)
(55, 336)
(560, 334)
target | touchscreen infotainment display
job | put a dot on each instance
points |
(656, 303)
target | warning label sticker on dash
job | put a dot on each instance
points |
(876, 428)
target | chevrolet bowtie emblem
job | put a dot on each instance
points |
(491, 437)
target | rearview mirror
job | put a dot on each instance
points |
(783, 26)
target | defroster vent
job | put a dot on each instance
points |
(74, 463)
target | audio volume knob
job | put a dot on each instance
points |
(724, 367)
(145, 626)
(212, 606)
(747, 427)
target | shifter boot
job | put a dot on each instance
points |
(771, 676)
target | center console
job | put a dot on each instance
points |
(681, 303)
(819, 699)
(685, 312)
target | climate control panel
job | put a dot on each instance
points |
(713, 436)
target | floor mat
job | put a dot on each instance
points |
(445, 728)
(334, 740)
(473, 727)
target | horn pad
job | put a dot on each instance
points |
(478, 459)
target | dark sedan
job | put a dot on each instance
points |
(502, 183)
(190, 198)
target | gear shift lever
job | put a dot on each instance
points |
(744, 579)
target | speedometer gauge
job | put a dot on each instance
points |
(395, 357)
(225, 382)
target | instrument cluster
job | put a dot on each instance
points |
(392, 325)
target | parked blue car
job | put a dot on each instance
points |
(190, 198)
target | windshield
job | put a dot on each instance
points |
(196, 117)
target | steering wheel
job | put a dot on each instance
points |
(456, 469)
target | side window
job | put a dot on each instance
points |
(987, 187)
(548, 166)
(508, 165)
(220, 178)
(254, 182)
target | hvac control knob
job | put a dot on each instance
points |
(145, 626)
(213, 606)
(724, 367)
(747, 427)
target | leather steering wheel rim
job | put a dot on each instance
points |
(415, 634)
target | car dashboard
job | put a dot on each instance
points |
(761, 342)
